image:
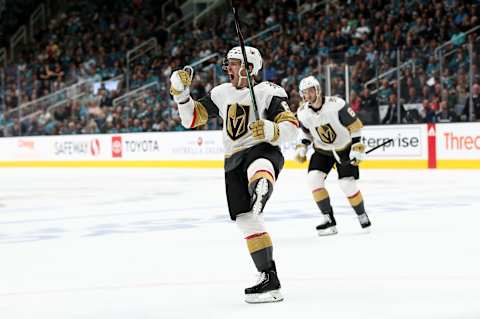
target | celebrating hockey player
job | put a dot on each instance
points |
(253, 159)
(335, 132)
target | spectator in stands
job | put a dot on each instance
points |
(392, 111)
(435, 103)
(369, 108)
(475, 97)
(413, 98)
(89, 39)
(461, 101)
(412, 116)
(445, 115)
(384, 92)
(427, 113)
(355, 101)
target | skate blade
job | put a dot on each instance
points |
(366, 227)
(261, 190)
(269, 296)
(327, 231)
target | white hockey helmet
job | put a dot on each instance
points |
(253, 56)
(309, 82)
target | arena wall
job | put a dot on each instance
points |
(420, 146)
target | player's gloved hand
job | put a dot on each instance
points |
(300, 153)
(357, 153)
(180, 82)
(265, 130)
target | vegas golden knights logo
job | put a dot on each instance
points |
(237, 120)
(326, 133)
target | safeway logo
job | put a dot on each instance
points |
(116, 146)
(95, 147)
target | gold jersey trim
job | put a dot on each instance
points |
(286, 116)
(355, 126)
(201, 114)
(276, 133)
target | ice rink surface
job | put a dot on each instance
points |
(157, 243)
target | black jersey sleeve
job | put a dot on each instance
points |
(349, 119)
(346, 115)
(209, 106)
(279, 111)
(276, 107)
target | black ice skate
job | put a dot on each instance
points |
(364, 220)
(328, 226)
(261, 193)
(267, 288)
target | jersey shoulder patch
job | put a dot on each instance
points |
(270, 89)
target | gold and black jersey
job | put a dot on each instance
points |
(330, 127)
(234, 106)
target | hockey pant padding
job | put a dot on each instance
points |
(261, 168)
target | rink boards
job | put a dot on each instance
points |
(455, 145)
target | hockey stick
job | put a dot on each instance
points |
(344, 163)
(379, 145)
(245, 61)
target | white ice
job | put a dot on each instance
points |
(158, 243)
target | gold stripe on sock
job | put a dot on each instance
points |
(356, 199)
(256, 243)
(262, 174)
(320, 194)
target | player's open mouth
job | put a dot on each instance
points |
(231, 77)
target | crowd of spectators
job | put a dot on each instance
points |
(90, 40)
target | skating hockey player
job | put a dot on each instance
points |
(334, 131)
(253, 159)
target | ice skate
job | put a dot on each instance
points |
(364, 220)
(328, 227)
(260, 195)
(267, 288)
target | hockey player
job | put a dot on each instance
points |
(335, 132)
(253, 159)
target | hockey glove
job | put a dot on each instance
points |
(180, 82)
(265, 130)
(357, 153)
(300, 153)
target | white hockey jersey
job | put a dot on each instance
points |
(332, 126)
(234, 106)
